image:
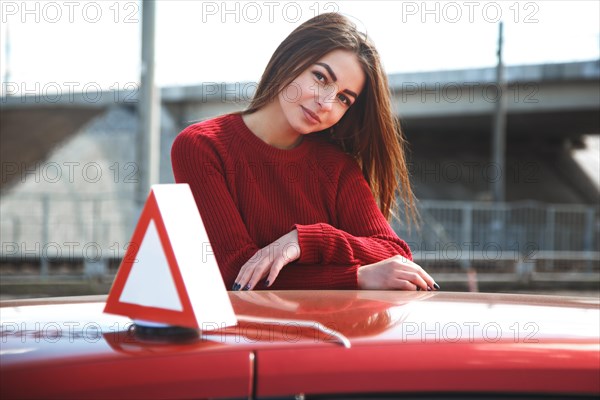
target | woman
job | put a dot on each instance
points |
(287, 188)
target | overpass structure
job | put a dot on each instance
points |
(549, 109)
(69, 173)
(552, 101)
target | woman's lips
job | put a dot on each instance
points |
(311, 116)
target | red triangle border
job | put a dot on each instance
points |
(186, 317)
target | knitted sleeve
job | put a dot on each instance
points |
(196, 161)
(363, 235)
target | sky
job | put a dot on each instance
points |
(83, 45)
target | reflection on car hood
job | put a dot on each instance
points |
(70, 327)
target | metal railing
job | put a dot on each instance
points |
(507, 237)
(59, 232)
(46, 231)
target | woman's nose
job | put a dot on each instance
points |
(326, 104)
(326, 99)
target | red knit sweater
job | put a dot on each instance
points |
(250, 194)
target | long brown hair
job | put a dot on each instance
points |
(368, 130)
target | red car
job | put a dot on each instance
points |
(289, 344)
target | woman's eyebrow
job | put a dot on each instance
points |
(334, 77)
(351, 93)
(328, 68)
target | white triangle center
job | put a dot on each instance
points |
(150, 282)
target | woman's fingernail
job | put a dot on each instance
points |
(418, 288)
(267, 283)
(247, 287)
(436, 286)
(234, 287)
(429, 288)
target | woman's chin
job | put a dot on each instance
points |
(302, 129)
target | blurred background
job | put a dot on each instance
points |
(499, 101)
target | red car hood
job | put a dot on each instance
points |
(72, 326)
(461, 331)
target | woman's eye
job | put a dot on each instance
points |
(344, 99)
(320, 77)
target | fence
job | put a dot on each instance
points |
(50, 234)
(44, 235)
(513, 238)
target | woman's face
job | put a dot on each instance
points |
(319, 96)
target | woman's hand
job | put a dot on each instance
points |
(268, 261)
(395, 273)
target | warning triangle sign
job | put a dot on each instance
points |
(169, 274)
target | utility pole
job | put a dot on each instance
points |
(7, 70)
(148, 143)
(499, 128)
